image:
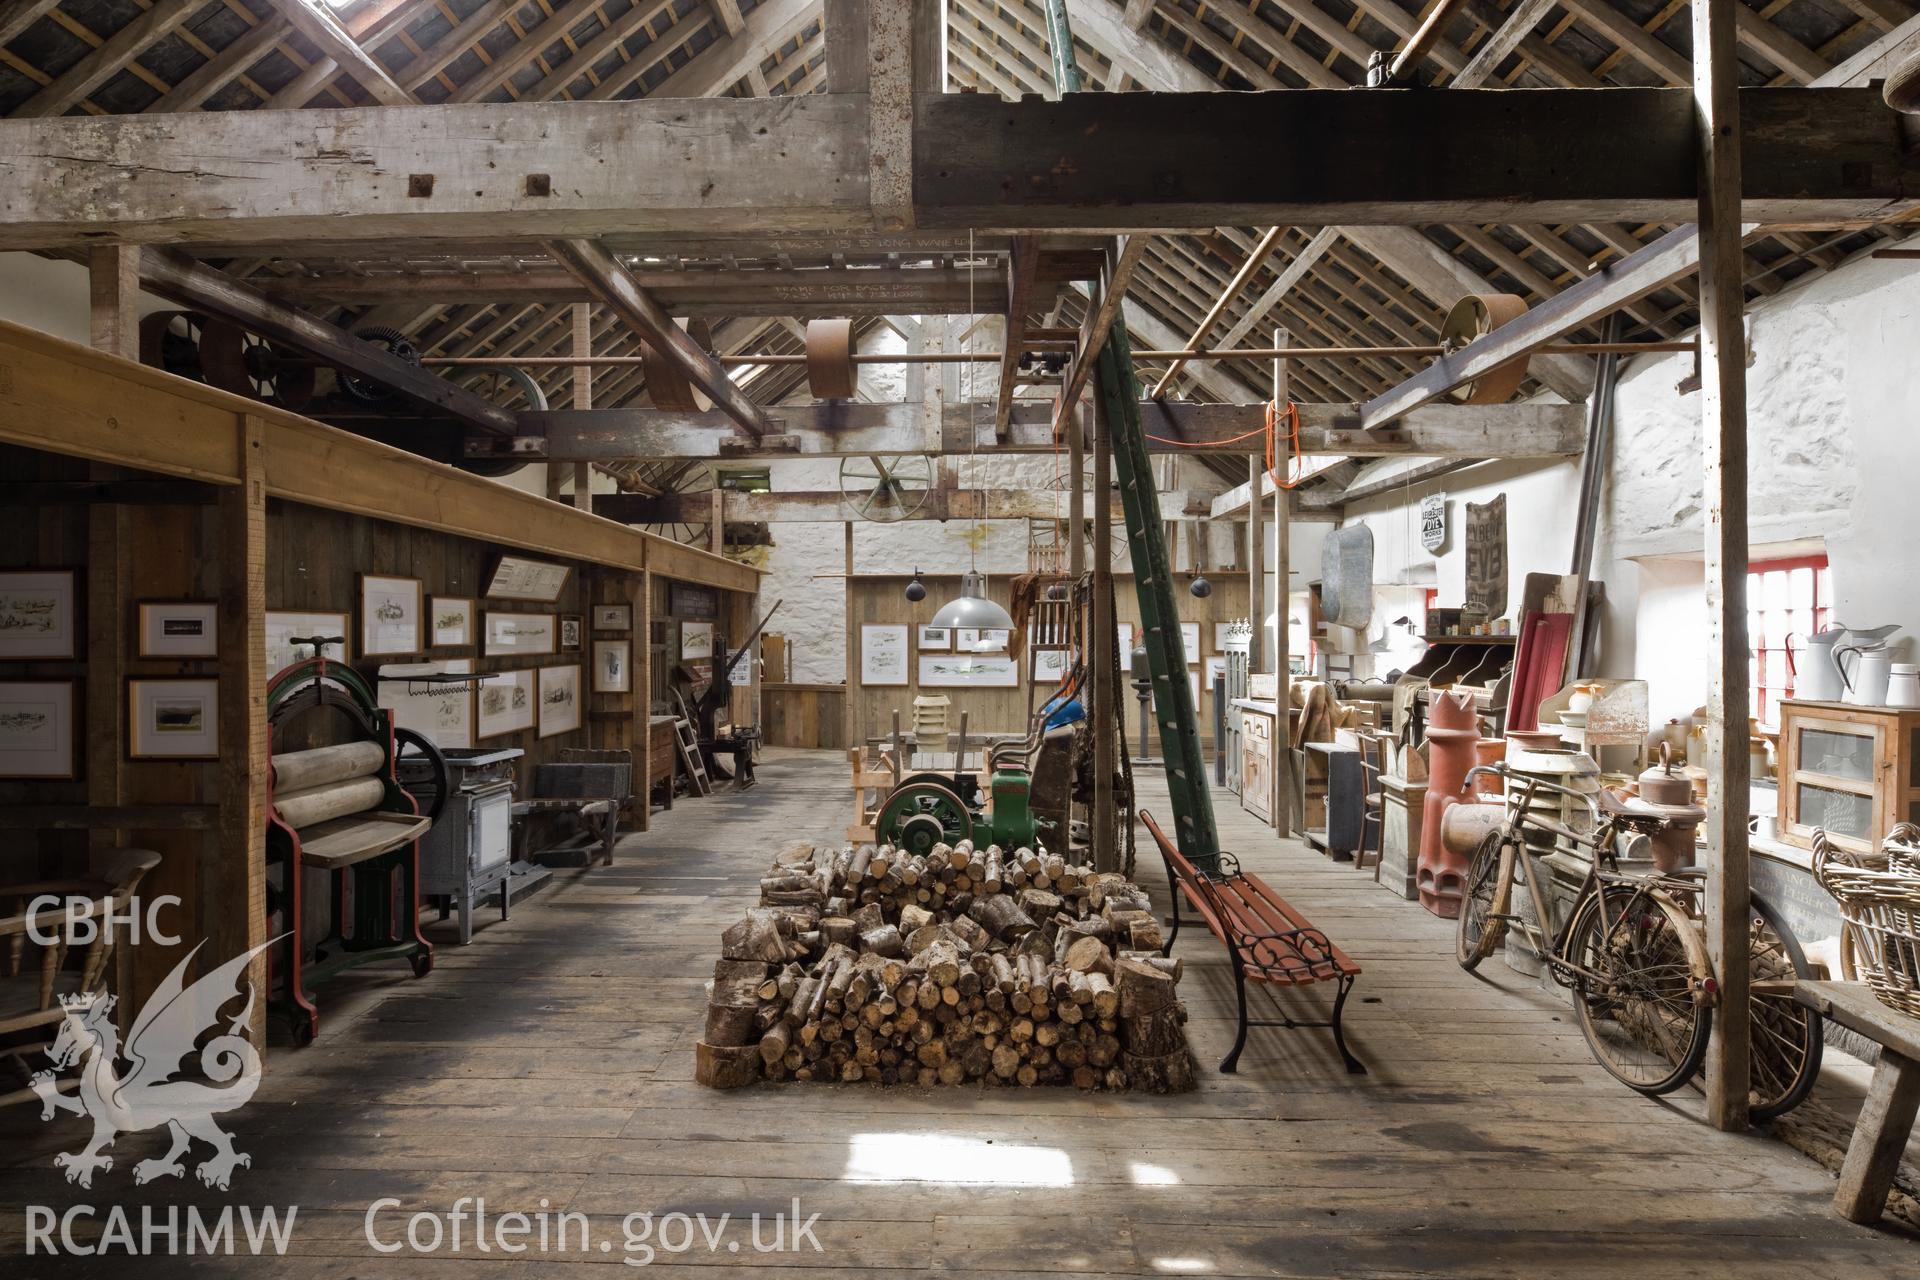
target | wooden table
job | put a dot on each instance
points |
(1886, 1117)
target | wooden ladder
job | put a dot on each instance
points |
(690, 756)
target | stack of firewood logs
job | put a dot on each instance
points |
(961, 964)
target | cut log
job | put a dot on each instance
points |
(725, 1066)
(1001, 916)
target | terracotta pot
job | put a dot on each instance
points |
(1534, 739)
(1453, 738)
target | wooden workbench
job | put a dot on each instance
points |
(1886, 1117)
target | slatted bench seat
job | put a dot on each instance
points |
(1266, 937)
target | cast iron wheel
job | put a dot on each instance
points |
(436, 761)
(1482, 922)
(395, 343)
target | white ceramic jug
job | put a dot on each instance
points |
(1903, 685)
(1817, 674)
(1869, 676)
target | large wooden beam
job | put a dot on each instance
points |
(196, 285)
(825, 506)
(1115, 161)
(492, 171)
(516, 171)
(614, 286)
(1723, 410)
(63, 398)
(846, 428)
(803, 293)
(1612, 287)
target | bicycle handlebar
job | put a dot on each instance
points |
(1538, 784)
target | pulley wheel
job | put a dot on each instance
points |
(170, 341)
(1472, 318)
(830, 359)
(919, 815)
(396, 344)
(666, 385)
(223, 356)
(1902, 90)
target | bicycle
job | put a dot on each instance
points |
(1633, 951)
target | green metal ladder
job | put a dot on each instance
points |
(1173, 702)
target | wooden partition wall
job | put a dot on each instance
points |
(882, 599)
(154, 487)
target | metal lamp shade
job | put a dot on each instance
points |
(972, 608)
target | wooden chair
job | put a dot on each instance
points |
(35, 974)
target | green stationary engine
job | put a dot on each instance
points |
(945, 808)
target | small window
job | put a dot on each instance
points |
(1785, 598)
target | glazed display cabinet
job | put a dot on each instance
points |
(1852, 771)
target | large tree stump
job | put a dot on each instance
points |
(1154, 1048)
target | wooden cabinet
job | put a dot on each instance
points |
(1256, 763)
(1852, 771)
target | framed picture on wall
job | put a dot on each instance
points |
(959, 671)
(518, 578)
(173, 719)
(285, 624)
(1126, 642)
(971, 640)
(36, 729)
(36, 614)
(933, 639)
(390, 615)
(1050, 666)
(559, 700)
(613, 617)
(696, 639)
(1190, 640)
(1220, 630)
(883, 655)
(570, 632)
(518, 633)
(504, 704)
(443, 714)
(178, 629)
(1216, 671)
(452, 621)
(612, 666)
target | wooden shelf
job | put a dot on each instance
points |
(341, 842)
(1506, 639)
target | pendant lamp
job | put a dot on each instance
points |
(972, 608)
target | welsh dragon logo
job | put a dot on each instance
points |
(147, 1096)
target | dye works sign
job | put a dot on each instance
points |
(1433, 522)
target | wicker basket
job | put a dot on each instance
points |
(1879, 897)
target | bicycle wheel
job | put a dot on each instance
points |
(1635, 999)
(1489, 892)
(1787, 1038)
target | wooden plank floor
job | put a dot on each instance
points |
(549, 1065)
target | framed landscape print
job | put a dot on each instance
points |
(958, 671)
(569, 633)
(36, 729)
(612, 666)
(178, 629)
(613, 617)
(528, 633)
(36, 614)
(1050, 665)
(935, 639)
(284, 624)
(173, 719)
(518, 578)
(696, 640)
(559, 700)
(452, 621)
(390, 615)
(504, 704)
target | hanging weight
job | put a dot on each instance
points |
(830, 359)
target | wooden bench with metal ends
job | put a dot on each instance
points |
(1266, 937)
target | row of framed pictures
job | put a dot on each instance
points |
(542, 698)
(168, 718)
(391, 624)
(962, 658)
(37, 620)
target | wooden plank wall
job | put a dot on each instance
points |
(805, 715)
(730, 612)
(314, 561)
(166, 552)
(882, 599)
